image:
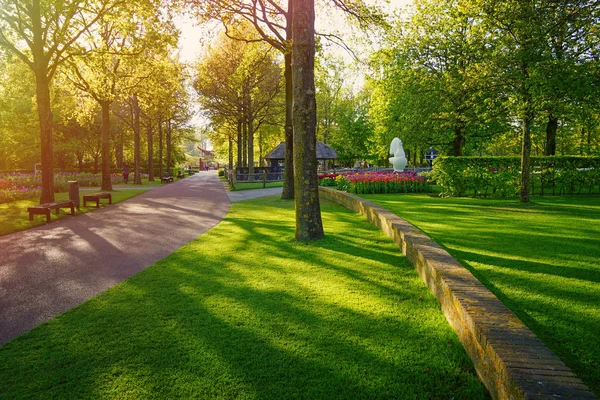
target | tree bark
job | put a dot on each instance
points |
(251, 148)
(105, 134)
(526, 158)
(169, 147)
(551, 128)
(230, 151)
(459, 139)
(160, 149)
(239, 144)
(288, 177)
(137, 177)
(244, 144)
(42, 97)
(150, 150)
(306, 187)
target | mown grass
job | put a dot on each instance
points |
(542, 260)
(256, 185)
(14, 216)
(246, 312)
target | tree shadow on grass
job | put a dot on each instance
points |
(329, 319)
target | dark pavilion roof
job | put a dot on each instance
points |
(324, 152)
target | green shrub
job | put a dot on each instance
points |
(221, 172)
(500, 176)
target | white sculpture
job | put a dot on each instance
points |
(399, 159)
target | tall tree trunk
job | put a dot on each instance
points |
(160, 148)
(230, 151)
(169, 146)
(306, 186)
(551, 128)
(105, 134)
(245, 144)
(459, 139)
(45, 117)
(42, 97)
(251, 148)
(288, 178)
(137, 177)
(239, 144)
(526, 158)
(150, 150)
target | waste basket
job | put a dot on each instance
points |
(74, 192)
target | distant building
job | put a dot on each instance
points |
(207, 159)
(277, 156)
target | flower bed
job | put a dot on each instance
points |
(382, 182)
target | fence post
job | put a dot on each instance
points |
(264, 179)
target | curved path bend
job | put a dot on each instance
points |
(47, 270)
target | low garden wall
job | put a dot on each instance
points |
(509, 359)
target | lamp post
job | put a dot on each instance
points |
(430, 156)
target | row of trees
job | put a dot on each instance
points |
(467, 76)
(101, 71)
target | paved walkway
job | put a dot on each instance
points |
(47, 270)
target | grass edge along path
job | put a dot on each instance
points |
(244, 311)
(541, 260)
(14, 216)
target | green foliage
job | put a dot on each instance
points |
(500, 176)
(221, 172)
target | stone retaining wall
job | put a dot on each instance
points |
(509, 359)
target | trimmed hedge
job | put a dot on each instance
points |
(500, 176)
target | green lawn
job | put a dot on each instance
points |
(14, 216)
(542, 261)
(256, 185)
(246, 312)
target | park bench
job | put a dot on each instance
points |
(47, 207)
(180, 175)
(166, 179)
(96, 197)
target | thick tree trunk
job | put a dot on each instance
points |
(306, 187)
(526, 158)
(45, 117)
(160, 149)
(150, 150)
(551, 128)
(137, 177)
(459, 139)
(42, 97)
(288, 178)
(169, 147)
(105, 134)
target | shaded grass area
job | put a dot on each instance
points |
(541, 260)
(14, 216)
(256, 185)
(246, 312)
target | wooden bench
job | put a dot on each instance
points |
(166, 179)
(47, 207)
(180, 175)
(96, 197)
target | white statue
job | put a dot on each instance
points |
(399, 159)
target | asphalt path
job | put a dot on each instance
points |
(50, 269)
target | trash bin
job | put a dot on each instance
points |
(74, 192)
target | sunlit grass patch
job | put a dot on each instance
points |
(14, 216)
(246, 312)
(542, 260)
